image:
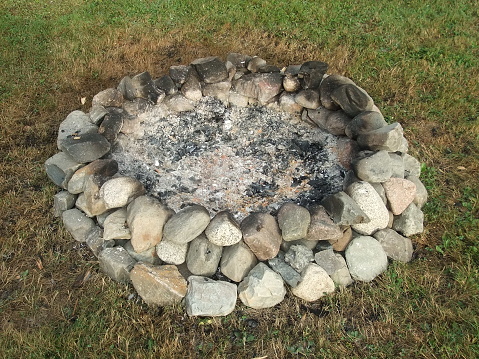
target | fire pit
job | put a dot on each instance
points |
(236, 179)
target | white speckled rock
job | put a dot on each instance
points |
(120, 191)
(223, 230)
(366, 258)
(171, 252)
(315, 283)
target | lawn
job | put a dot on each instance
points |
(419, 60)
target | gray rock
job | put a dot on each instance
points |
(187, 224)
(366, 258)
(171, 252)
(311, 244)
(78, 224)
(308, 99)
(371, 204)
(322, 227)
(345, 150)
(100, 218)
(343, 210)
(116, 263)
(149, 256)
(191, 88)
(203, 256)
(410, 221)
(237, 99)
(292, 70)
(97, 113)
(352, 99)
(255, 63)
(388, 138)
(400, 193)
(237, 260)
(76, 123)
(311, 73)
(60, 169)
(219, 90)
(179, 103)
(334, 122)
(166, 84)
(120, 191)
(298, 257)
(373, 167)
(179, 74)
(104, 168)
(238, 60)
(365, 122)
(89, 201)
(111, 125)
(335, 265)
(210, 69)
(421, 191)
(293, 221)
(96, 242)
(146, 217)
(326, 88)
(135, 108)
(85, 148)
(288, 104)
(63, 201)
(412, 167)
(223, 230)
(108, 98)
(158, 285)
(207, 297)
(260, 86)
(262, 235)
(396, 246)
(397, 165)
(291, 83)
(144, 86)
(262, 288)
(115, 226)
(314, 284)
(289, 275)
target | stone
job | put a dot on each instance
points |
(400, 194)
(166, 84)
(262, 288)
(191, 88)
(334, 122)
(203, 256)
(146, 217)
(335, 266)
(397, 165)
(289, 275)
(378, 187)
(314, 284)
(108, 98)
(366, 258)
(116, 263)
(255, 63)
(421, 191)
(171, 252)
(111, 125)
(104, 168)
(344, 210)
(85, 148)
(231, 70)
(238, 60)
(298, 257)
(179, 103)
(179, 73)
(288, 104)
(158, 285)
(149, 256)
(76, 123)
(345, 150)
(412, 167)
(292, 70)
(388, 138)
(269, 68)
(311, 244)
(60, 169)
(210, 69)
(308, 99)
(63, 201)
(219, 90)
(96, 242)
(261, 86)
(262, 235)
(97, 113)
(77, 224)
(364, 122)
(293, 221)
(371, 204)
(311, 74)
(397, 247)
(410, 221)
(207, 297)
(144, 87)
(291, 83)
(322, 227)
(326, 88)
(223, 230)
(120, 191)
(341, 244)
(237, 99)
(352, 99)
(135, 108)
(187, 224)
(115, 226)
(237, 260)
(89, 201)
(373, 167)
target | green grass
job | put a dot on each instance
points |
(419, 60)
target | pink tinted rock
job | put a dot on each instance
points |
(400, 193)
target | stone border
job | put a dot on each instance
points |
(349, 237)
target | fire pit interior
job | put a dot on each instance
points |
(234, 179)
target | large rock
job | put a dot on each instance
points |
(364, 194)
(78, 224)
(207, 297)
(149, 256)
(326, 88)
(400, 194)
(334, 122)
(179, 103)
(412, 167)
(314, 284)
(146, 217)
(335, 265)
(293, 221)
(291, 83)
(397, 165)
(77, 123)
(104, 168)
(115, 226)
(410, 221)
(388, 138)
(289, 275)
(237, 260)
(311, 73)
(120, 191)
(60, 169)
(322, 227)
(97, 243)
(210, 69)
(172, 252)
(344, 210)
(223, 230)
(396, 246)
(63, 201)
(191, 88)
(352, 99)
(365, 122)
(158, 285)
(366, 258)
(298, 257)
(373, 167)
(203, 256)
(219, 90)
(261, 86)
(90, 201)
(112, 124)
(179, 73)
(308, 99)
(262, 288)
(187, 224)
(166, 84)
(116, 263)
(108, 98)
(288, 104)
(262, 235)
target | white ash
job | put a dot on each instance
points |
(241, 159)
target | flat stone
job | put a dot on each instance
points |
(89, 201)
(158, 285)
(397, 247)
(105, 168)
(77, 224)
(262, 235)
(291, 83)
(388, 138)
(179, 73)
(287, 103)
(326, 88)
(120, 191)
(76, 123)
(238, 60)
(335, 265)
(116, 263)
(96, 114)
(115, 226)
(191, 88)
(410, 221)
(63, 201)
(352, 99)
(203, 256)
(108, 98)
(207, 297)
(341, 244)
(363, 123)
(187, 224)
(314, 284)
(179, 103)
(370, 202)
(219, 90)
(166, 84)
(293, 221)
(171, 252)
(260, 86)
(334, 122)
(344, 210)
(298, 257)
(322, 227)
(146, 217)
(237, 260)
(400, 194)
(223, 230)
(255, 63)
(421, 192)
(85, 148)
(210, 69)
(289, 275)
(308, 99)
(96, 242)
(366, 258)
(262, 288)
(60, 169)
(149, 256)
(373, 167)
(112, 124)
(412, 167)
(311, 244)
(397, 165)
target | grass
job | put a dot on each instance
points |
(419, 61)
